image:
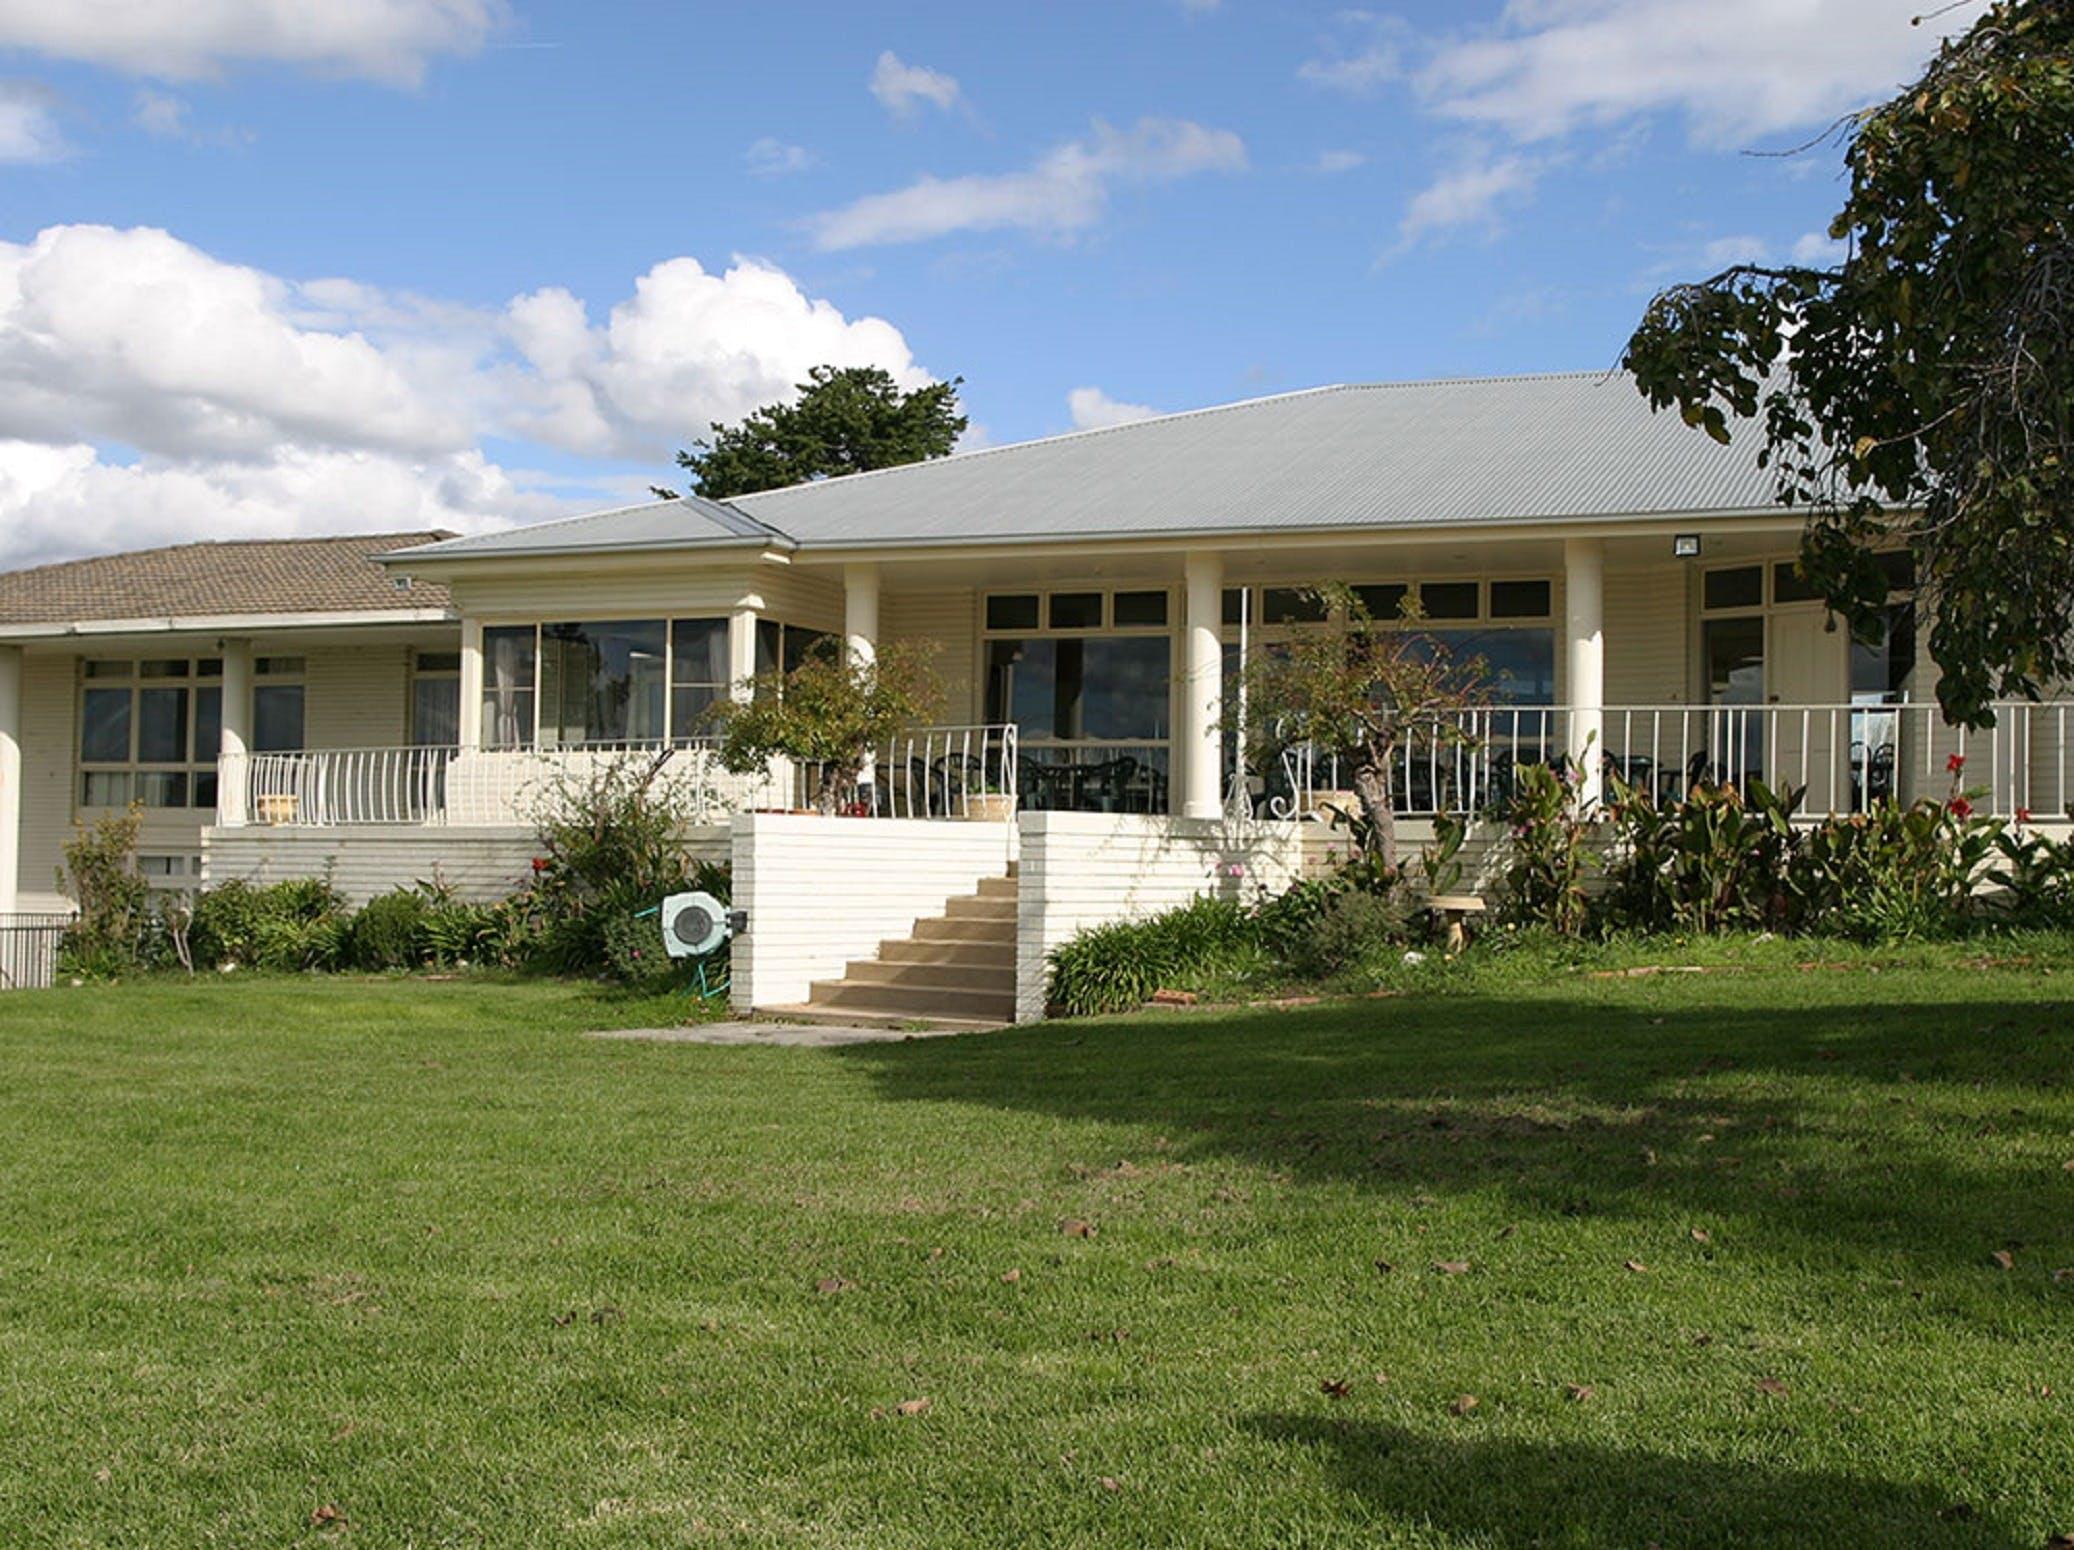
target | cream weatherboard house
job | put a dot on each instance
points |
(381, 710)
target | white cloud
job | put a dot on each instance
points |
(1468, 196)
(1724, 252)
(1066, 191)
(773, 158)
(902, 88)
(28, 127)
(1819, 250)
(387, 40)
(160, 113)
(1369, 54)
(1093, 409)
(1750, 69)
(150, 391)
(1332, 163)
(1201, 7)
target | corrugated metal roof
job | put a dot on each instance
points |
(1575, 446)
(206, 580)
(688, 522)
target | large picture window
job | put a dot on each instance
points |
(149, 732)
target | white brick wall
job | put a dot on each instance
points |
(821, 891)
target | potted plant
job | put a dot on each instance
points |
(988, 800)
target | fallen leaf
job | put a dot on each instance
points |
(1637, 1266)
(1580, 1391)
(1384, 1267)
(1173, 998)
(1771, 1386)
(1111, 1483)
(564, 1320)
(1010, 1277)
(607, 1315)
(1334, 1388)
(1452, 1267)
(2004, 1258)
(1701, 1235)
(103, 1475)
(2063, 1275)
(1464, 1403)
(2060, 1542)
(1382, 1377)
(828, 1286)
(1074, 1227)
(912, 1407)
(328, 1515)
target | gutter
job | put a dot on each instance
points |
(226, 624)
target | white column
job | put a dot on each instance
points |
(234, 747)
(468, 726)
(741, 653)
(1200, 746)
(861, 611)
(10, 777)
(1584, 609)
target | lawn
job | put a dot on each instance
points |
(363, 1262)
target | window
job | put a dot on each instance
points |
(781, 648)
(1519, 664)
(510, 675)
(1733, 650)
(149, 732)
(1015, 611)
(1385, 601)
(602, 682)
(1110, 688)
(1076, 610)
(698, 673)
(435, 699)
(1291, 605)
(277, 705)
(1141, 610)
(1449, 599)
(1741, 587)
(1521, 600)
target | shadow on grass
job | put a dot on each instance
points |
(1503, 1493)
(1856, 1124)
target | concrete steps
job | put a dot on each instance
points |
(954, 968)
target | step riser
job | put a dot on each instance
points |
(971, 955)
(981, 909)
(913, 1001)
(996, 978)
(1001, 933)
(816, 1015)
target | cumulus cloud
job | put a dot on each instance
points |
(773, 158)
(1367, 52)
(1332, 163)
(150, 391)
(1733, 72)
(1467, 197)
(1819, 250)
(902, 88)
(386, 40)
(28, 126)
(1066, 191)
(1092, 409)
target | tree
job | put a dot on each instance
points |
(1360, 691)
(830, 712)
(1922, 389)
(846, 420)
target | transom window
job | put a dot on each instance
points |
(149, 731)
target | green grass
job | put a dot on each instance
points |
(419, 1253)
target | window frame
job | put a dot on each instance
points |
(1107, 629)
(196, 773)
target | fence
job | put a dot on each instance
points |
(29, 950)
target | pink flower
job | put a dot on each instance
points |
(1955, 763)
(1961, 808)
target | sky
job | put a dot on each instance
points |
(270, 268)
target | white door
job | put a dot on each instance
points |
(1806, 672)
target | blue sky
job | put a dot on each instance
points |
(399, 262)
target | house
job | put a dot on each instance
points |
(381, 709)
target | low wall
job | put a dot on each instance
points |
(481, 865)
(1087, 869)
(821, 891)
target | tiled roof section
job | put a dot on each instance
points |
(205, 580)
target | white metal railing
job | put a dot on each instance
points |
(1844, 757)
(965, 772)
(932, 772)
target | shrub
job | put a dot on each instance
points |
(1716, 861)
(611, 848)
(389, 931)
(113, 932)
(1544, 879)
(1115, 967)
(1354, 927)
(295, 925)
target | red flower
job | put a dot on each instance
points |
(540, 863)
(2023, 815)
(1961, 808)
(1955, 763)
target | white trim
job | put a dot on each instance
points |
(206, 624)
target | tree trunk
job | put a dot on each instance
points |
(1372, 786)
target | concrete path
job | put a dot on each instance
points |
(785, 1035)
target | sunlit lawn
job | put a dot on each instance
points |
(403, 1263)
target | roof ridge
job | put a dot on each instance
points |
(692, 500)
